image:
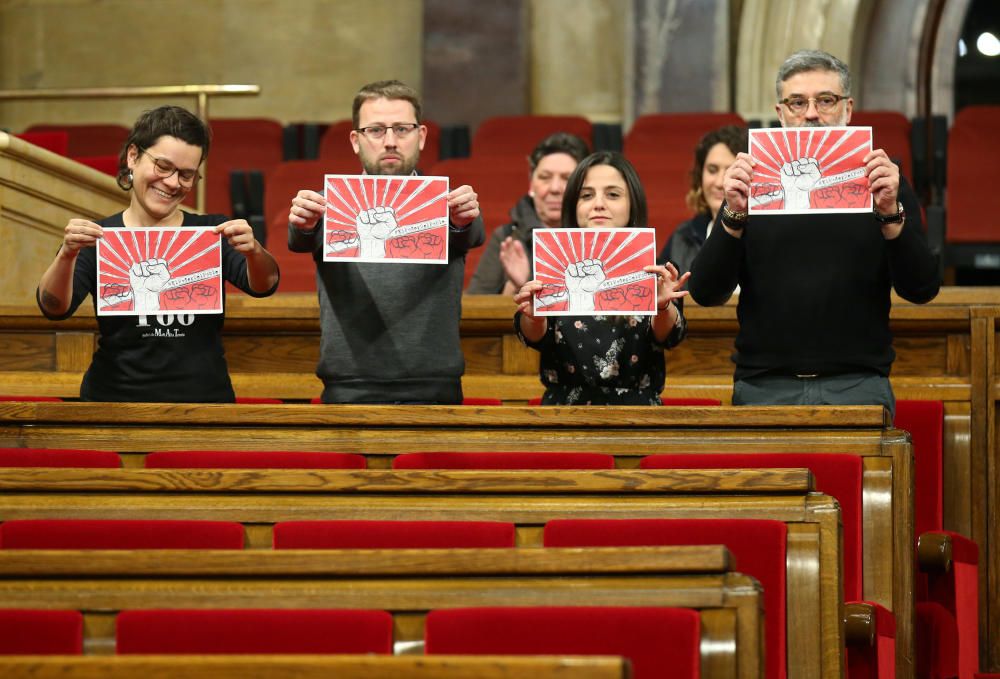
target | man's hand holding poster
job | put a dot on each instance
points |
(810, 169)
(144, 271)
(380, 218)
(594, 272)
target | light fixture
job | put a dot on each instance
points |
(987, 44)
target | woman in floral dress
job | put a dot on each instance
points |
(604, 360)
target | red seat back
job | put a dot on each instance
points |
(759, 547)
(891, 133)
(974, 135)
(30, 632)
(660, 642)
(44, 457)
(119, 534)
(254, 631)
(56, 141)
(517, 136)
(392, 534)
(532, 460)
(239, 144)
(89, 139)
(839, 476)
(925, 422)
(252, 459)
(674, 132)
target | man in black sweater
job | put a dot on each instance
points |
(814, 288)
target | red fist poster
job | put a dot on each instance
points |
(810, 169)
(594, 272)
(377, 218)
(145, 271)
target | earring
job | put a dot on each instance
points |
(531, 194)
(130, 176)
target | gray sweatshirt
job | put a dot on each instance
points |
(390, 331)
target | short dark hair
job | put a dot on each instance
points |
(385, 89)
(559, 142)
(638, 214)
(165, 121)
(804, 61)
(735, 139)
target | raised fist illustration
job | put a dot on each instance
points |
(148, 278)
(798, 177)
(583, 278)
(374, 226)
(340, 241)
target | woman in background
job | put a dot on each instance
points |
(506, 263)
(713, 155)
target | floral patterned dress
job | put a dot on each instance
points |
(602, 360)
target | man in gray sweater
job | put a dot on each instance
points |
(389, 331)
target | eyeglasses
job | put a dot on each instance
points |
(165, 169)
(825, 103)
(376, 132)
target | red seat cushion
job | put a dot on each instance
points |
(758, 545)
(837, 475)
(29, 632)
(45, 457)
(660, 642)
(392, 534)
(925, 422)
(503, 461)
(254, 631)
(119, 534)
(252, 459)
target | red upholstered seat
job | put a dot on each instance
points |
(503, 461)
(119, 534)
(759, 547)
(252, 459)
(891, 133)
(258, 399)
(660, 642)
(974, 135)
(665, 401)
(690, 401)
(879, 661)
(947, 603)
(254, 631)
(56, 141)
(107, 164)
(31, 632)
(662, 132)
(517, 136)
(392, 534)
(89, 139)
(839, 476)
(38, 399)
(481, 401)
(239, 144)
(45, 457)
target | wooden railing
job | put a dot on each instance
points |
(201, 93)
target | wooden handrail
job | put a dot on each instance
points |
(201, 92)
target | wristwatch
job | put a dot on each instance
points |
(733, 220)
(896, 218)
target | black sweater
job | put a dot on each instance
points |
(814, 289)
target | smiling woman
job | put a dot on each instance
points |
(163, 341)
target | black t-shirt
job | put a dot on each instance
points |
(167, 357)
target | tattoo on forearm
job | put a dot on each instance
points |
(50, 301)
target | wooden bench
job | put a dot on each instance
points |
(313, 667)
(407, 583)
(380, 432)
(527, 498)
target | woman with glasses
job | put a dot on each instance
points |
(604, 360)
(156, 356)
